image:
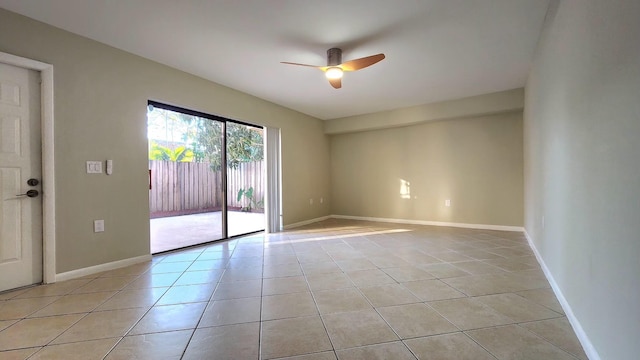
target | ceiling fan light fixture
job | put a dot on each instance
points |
(335, 67)
(334, 72)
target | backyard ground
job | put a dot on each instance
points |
(176, 232)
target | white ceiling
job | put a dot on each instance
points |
(436, 49)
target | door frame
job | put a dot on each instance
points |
(48, 169)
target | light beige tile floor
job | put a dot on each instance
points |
(332, 290)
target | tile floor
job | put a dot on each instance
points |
(332, 290)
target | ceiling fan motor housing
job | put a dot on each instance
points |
(334, 57)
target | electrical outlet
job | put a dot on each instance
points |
(311, 201)
(98, 226)
(447, 203)
(321, 200)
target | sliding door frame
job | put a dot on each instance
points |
(224, 121)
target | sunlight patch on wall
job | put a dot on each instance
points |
(405, 189)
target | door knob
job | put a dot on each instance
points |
(33, 182)
(30, 193)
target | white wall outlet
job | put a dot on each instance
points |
(98, 226)
(321, 200)
(311, 201)
(94, 167)
(109, 168)
(447, 202)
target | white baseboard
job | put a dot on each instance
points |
(432, 223)
(587, 345)
(73, 274)
(306, 222)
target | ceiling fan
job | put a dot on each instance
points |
(335, 67)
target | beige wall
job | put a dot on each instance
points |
(582, 166)
(100, 113)
(486, 104)
(475, 162)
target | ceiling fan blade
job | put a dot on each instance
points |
(292, 63)
(336, 83)
(361, 63)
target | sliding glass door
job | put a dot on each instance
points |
(193, 159)
(245, 178)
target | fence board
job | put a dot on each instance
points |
(190, 187)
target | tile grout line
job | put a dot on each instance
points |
(545, 340)
(324, 326)
(208, 301)
(70, 326)
(372, 306)
(150, 308)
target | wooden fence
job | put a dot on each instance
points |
(179, 188)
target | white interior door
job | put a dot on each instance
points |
(20, 160)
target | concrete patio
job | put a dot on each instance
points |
(169, 233)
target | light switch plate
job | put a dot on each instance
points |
(94, 167)
(98, 225)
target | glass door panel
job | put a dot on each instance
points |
(245, 178)
(186, 199)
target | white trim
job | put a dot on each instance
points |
(587, 345)
(48, 164)
(74, 274)
(306, 222)
(432, 223)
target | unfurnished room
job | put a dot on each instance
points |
(320, 180)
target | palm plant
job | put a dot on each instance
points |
(179, 154)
